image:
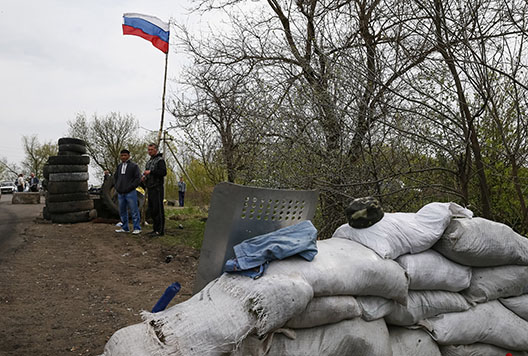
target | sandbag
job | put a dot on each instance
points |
(218, 318)
(488, 323)
(496, 282)
(429, 270)
(231, 307)
(482, 243)
(349, 337)
(405, 342)
(138, 339)
(326, 310)
(373, 308)
(400, 233)
(518, 305)
(425, 304)
(478, 350)
(344, 267)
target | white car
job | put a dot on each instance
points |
(7, 187)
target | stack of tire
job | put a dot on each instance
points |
(66, 182)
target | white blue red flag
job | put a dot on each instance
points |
(148, 27)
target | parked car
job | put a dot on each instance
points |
(8, 187)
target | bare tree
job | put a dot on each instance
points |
(334, 63)
(215, 119)
(380, 97)
(106, 136)
(37, 154)
(8, 170)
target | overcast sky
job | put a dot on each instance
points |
(63, 57)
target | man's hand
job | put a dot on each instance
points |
(145, 174)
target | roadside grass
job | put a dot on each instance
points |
(184, 226)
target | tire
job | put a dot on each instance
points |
(66, 168)
(76, 217)
(71, 140)
(45, 213)
(45, 171)
(67, 187)
(69, 153)
(68, 160)
(56, 198)
(72, 147)
(69, 177)
(70, 206)
(109, 196)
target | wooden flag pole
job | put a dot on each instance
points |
(163, 96)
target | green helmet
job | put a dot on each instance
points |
(364, 212)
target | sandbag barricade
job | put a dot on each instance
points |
(412, 287)
(66, 184)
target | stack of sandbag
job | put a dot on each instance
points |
(407, 238)
(456, 287)
(233, 313)
(66, 183)
(497, 322)
(393, 288)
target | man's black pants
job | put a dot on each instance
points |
(155, 205)
(181, 197)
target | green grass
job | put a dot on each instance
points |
(184, 226)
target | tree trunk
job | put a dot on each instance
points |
(444, 50)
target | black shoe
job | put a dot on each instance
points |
(155, 234)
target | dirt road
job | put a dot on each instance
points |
(13, 220)
(66, 289)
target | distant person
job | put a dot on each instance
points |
(153, 177)
(182, 187)
(33, 183)
(126, 179)
(20, 183)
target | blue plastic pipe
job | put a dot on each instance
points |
(165, 299)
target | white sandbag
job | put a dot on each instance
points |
(478, 350)
(138, 339)
(349, 337)
(429, 270)
(344, 267)
(406, 342)
(518, 305)
(496, 282)
(488, 323)
(373, 308)
(482, 243)
(326, 310)
(426, 304)
(220, 316)
(400, 233)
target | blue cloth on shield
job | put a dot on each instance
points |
(299, 239)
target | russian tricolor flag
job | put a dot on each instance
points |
(148, 27)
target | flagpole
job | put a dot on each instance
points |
(163, 96)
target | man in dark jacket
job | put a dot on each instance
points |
(154, 174)
(33, 183)
(126, 179)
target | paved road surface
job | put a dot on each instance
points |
(13, 220)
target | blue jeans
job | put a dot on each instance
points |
(129, 201)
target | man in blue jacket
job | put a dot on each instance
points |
(127, 178)
(154, 174)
